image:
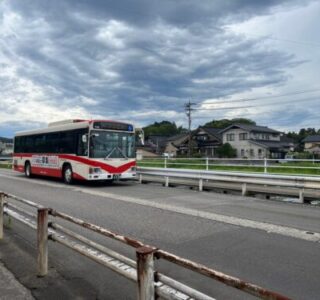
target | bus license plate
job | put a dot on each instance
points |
(116, 177)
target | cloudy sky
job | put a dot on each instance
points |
(142, 60)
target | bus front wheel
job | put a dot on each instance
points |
(27, 170)
(67, 175)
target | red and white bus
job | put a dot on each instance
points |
(77, 149)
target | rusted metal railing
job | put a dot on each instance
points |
(151, 283)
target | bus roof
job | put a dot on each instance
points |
(62, 126)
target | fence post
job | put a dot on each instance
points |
(200, 185)
(265, 165)
(42, 239)
(166, 184)
(1, 214)
(207, 163)
(301, 196)
(145, 273)
(244, 189)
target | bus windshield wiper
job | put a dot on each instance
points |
(122, 153)
(112, 150)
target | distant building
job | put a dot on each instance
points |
(312, 144)
(252, 141)
(6, 146)
(207, 140)
(177, 145)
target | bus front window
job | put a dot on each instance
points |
(107, 144)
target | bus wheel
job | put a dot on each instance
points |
(67, 174)
(27, 170)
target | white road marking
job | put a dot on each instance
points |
(267, 227)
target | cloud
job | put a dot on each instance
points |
(139, 61)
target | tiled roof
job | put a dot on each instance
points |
(311, 138)
(254, 128)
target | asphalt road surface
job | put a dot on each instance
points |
(273, 244)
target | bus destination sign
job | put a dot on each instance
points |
(113, 126)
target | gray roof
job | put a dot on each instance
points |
(213, 131)
(271, 144)
(5, 140)
(177, 137)
(253, 128)
(311, 138)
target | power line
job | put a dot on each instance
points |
(259, 105)
(266, 97)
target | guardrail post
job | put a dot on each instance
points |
(145, 273)
(301, 196)
(244, 189)
(167, 181)
(265, 165)
(207, 163)
(200, 184)
(1, 214)
(140, 178)
(42, 238)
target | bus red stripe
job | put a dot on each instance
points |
(92, 163)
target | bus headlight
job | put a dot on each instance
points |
(95, 170)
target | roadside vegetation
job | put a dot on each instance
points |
(5, 165)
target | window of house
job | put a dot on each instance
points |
(230, 137)
(251, 152)
(267, 137)
(242, 152)
(243, 136)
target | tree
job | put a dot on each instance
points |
(223, 123)
(226, 151)
(164, 128)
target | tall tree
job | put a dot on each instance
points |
(164, 128)
(223, 123)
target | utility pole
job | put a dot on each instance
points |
(188, 109)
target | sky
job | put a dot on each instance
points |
(141, 61)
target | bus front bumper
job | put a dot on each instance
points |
(108, 176)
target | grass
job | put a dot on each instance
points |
(291, 168)
(5, 165)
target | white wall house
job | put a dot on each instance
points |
(253, 141)
(6, 146)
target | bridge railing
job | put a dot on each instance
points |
(262, 165)
(151, 283)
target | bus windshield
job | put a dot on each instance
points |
(107, 144)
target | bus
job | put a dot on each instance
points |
(77, 150)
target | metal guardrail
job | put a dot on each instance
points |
(5, 158)
(151, 283)
(246, 182)
(266, 165)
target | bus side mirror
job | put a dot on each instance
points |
(84, 138)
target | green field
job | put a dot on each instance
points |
(5, 165)
(292, 168)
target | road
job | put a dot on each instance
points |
(272, 244)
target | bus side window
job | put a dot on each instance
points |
(82, 147)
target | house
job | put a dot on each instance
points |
(207, 140)
(252, 141)
(177, 144)
(6, 146)
(204, 141)
(157, 143)
(312, 144)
